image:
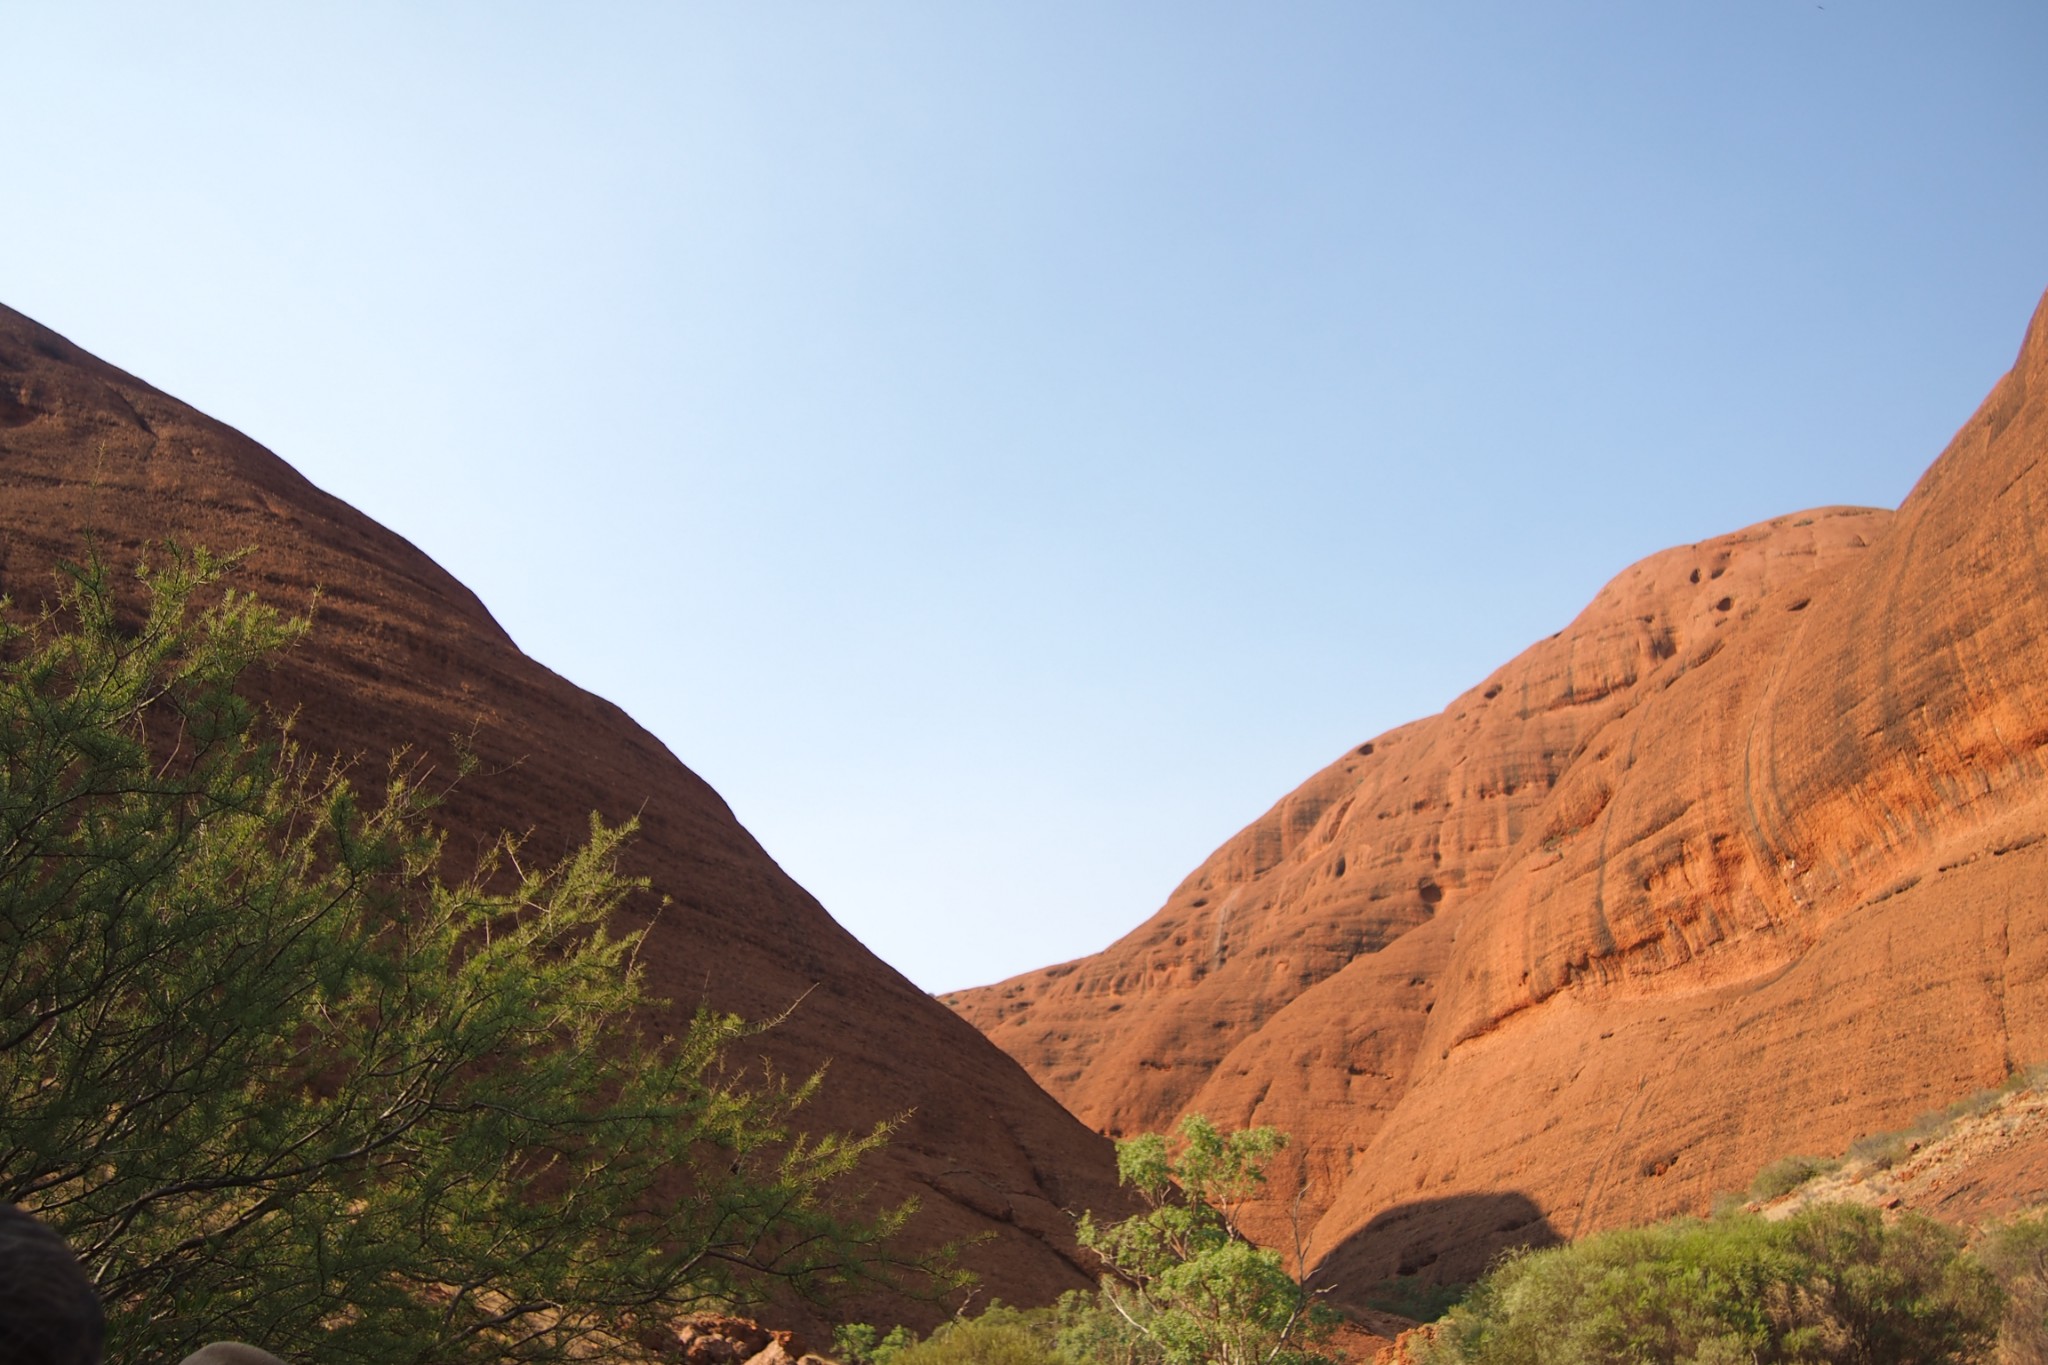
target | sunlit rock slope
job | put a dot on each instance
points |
(1747, 860)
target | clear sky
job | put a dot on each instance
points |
(1004, 447)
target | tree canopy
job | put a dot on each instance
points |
(275, 1078)
(1183, 1285)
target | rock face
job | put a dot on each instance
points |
(1747, 860)
(711, 1339)
(402, 654)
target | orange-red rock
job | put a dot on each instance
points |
(1748, 859)
(402, 654)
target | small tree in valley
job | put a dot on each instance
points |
(1184, 1285)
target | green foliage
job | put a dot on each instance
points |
(1000, 1336)
(1409, 1296)
(1787, 1174)
(1835, 1283)
(1184, 1285)
(2017, 1253)
(276, 1080)
(860, 1343)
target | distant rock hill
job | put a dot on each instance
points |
(1747, 860)
(402, 654)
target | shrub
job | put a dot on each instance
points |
(1832, 1284)
(1787, 1174)
(999, 1336)
(1898, 1291)
(861, 1343)
(2017, 1253)
(1882, 1151)
(1409, 1296)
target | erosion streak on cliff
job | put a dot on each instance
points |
(1748, 859)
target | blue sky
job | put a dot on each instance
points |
(1005, 447)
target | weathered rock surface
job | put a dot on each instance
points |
(716, 1339)
(402, 654)
(1749, 859)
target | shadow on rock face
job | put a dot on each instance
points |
(1430, 1242)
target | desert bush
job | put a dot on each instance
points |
(2017, 1253)
(1884, 1150)
(1408, 1296)
(1787, 1174)
(275, 1079)
(1897, 1290)
(1835, 1283)
(1000, 1336)
(862, 1343)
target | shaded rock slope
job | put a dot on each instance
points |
(1748, 859)
(402, 654)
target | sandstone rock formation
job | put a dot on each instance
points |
(402, 654)
(1748, 859)
(715, 1339)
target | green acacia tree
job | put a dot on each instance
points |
(275, 1079)
(1184, 1285)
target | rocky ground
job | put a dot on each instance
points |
(1969, 1170)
